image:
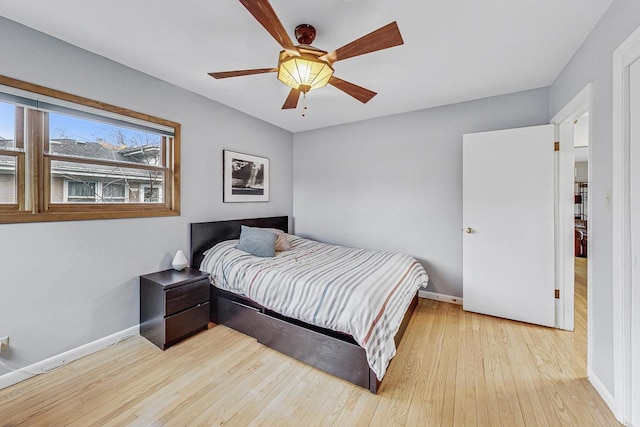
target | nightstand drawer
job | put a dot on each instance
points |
(186, 322)
(186, 296)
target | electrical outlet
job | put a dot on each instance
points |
(4, 343)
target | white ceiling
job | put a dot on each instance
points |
(454, 50)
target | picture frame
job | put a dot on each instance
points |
(245, 177)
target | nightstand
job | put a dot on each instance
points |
(173, 305)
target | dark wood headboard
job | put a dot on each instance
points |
(204, 235)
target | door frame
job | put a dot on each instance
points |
(564, 214)
(623, 57)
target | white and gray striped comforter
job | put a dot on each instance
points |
(360, 292)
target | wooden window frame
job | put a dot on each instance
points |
(36, 206)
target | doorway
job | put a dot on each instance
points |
(572, 218)
(581, 223)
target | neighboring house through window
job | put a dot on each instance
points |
(82, 152)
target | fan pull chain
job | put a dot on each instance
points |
(304, 103)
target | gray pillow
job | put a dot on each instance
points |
(257, 242)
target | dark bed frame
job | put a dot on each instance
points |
(330, 351)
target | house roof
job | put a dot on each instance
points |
(93, 150)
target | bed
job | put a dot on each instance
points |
(330, 350)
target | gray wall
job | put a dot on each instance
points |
(66, 284)
(593, 62)
(395, 183)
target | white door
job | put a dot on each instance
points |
(508, 210)
(634, 146)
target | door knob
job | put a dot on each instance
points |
(468, 230)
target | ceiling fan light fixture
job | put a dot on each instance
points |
(304, 73)
(304, 67)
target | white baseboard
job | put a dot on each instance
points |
(603, 392)
(62, 359)
(439, 297)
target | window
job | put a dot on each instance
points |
(114, 193)
(11, 156)
(151, 194)
(95, 192)
(78, 191)
(86, 159)
(7, 180)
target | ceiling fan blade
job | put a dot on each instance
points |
(264, 13)
(358, 92)
(292, 100)
(238, 73)
(382, 38)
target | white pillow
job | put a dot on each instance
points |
(282, 242)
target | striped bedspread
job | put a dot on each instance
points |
(360, 292)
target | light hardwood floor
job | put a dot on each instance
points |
(453, 368)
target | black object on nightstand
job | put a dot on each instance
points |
(173, 305)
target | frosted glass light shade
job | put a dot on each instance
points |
(179, 261)
(305, 72)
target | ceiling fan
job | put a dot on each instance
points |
(305, 67)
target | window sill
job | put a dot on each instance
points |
(25, 217)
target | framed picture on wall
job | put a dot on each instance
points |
(246, 177)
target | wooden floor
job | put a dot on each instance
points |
(453, 368)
